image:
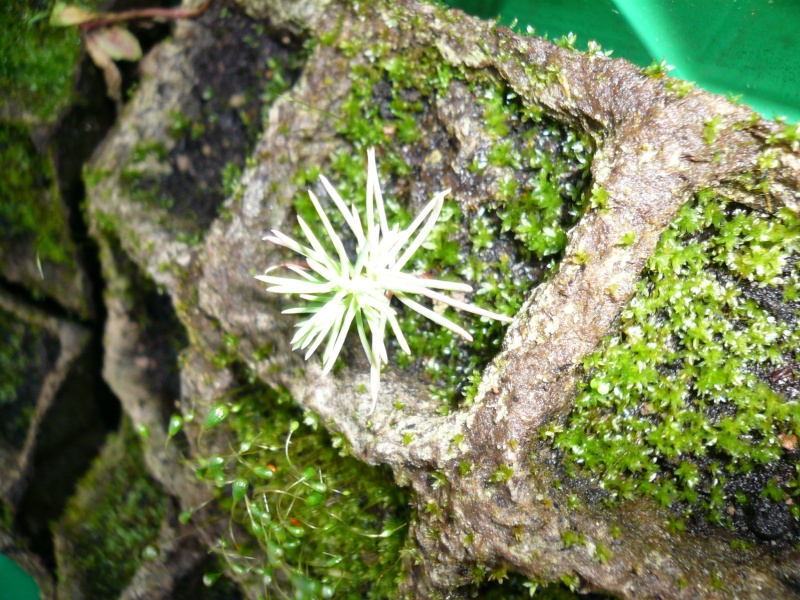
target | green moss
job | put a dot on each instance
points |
(320, 523)
(711, 129)
(657, 69)
(676, 403)
(502, 473)
(115, 514)
(679, 87)
(531, 211)
(518, 587)
(38, 60)
(30, 210)
(14, 356)
(22, 357)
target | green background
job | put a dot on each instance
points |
(16, 583)
(737, 47)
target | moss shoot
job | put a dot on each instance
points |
(310, 521)
(693, 398)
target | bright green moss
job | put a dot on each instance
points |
(14, 356)
(30, 210)
(494, 246)
(676, 401)
(115, 514)
(320, 524)
(38, 62)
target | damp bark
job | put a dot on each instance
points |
(653, 153)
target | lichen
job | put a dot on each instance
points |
(680, 402)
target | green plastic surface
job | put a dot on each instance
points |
(15, 583)
(747, 48)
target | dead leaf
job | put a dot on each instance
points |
(104, 63)
(788, 441)
(64, 15)
(118, 43)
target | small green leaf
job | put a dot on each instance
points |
(264, 472)
(175, 425)
(318, 486)
(239, 489)
(143, 431)
(274, 553)
(210, 579)
(216, 415)
(315, 499)
(296, 530)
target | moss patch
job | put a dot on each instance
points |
(38, 60)
(115, 514)
(693, 400)
(30, 210)
(534, 175)
(320, 524)
(27, 353)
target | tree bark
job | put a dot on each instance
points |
(653, 154)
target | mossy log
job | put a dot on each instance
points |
(656, 146)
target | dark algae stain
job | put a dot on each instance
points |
(235, 81)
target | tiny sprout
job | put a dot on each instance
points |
(657, 68)
(150, 553)
(318, 486)
(274, 553)
(340, 291)
(315, 499)
(296, 530)
(581, 257)
(175, 425)
(239, 489)
(264, 472)
(627, 238)
(503, 473)
(216, 415)
(143, 431)
(210, 579)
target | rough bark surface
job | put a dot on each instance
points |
(652, 157)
